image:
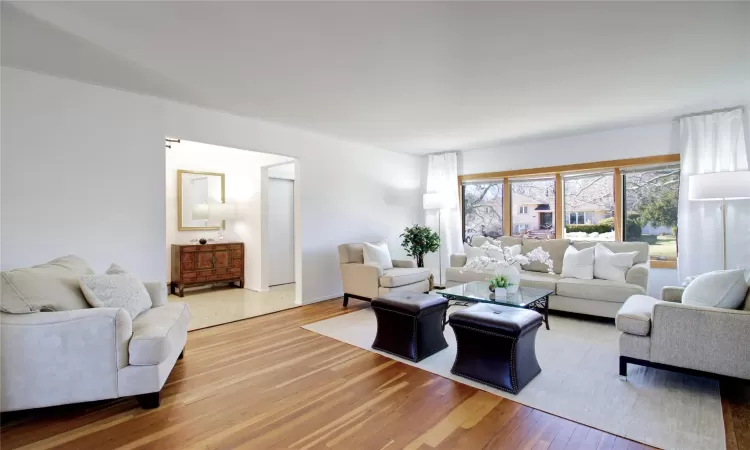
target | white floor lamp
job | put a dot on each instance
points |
(438, 201)
(720, 186)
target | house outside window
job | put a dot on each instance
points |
(523, 210)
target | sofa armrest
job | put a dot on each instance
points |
(157, 291)
(361, 279)
(708, 339)
(51, 358)
(638, 275)
(404, 263)
(672, 293)
(458, 260)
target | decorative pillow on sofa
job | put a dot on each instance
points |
(578, 263)
(378, 254)
(51, 286)
(718, 289)
(116, 289)
(609, 265)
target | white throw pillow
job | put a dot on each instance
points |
(718, 289)
(578, 263)
(116, 289)
(378, 254)
(609, 265)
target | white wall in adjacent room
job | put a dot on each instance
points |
(242, 175)
(83, 171)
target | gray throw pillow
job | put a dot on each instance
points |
(116, 289)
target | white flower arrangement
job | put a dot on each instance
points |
(495, 265)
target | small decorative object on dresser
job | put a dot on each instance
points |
(194, 265)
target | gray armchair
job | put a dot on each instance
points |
(670, 335)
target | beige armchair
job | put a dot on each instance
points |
(670, 335)
(366, 281)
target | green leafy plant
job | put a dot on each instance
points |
(419, 240)
(500, 281)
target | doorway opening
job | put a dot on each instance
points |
(232, 231)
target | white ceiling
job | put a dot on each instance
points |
(417, 77)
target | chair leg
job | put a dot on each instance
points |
(623, 369)
(182, 354)
(149, 401)
(346, 299)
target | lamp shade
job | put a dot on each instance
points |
(437, 200)
(200, 212)
(719, 185)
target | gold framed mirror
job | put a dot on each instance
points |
(195, 192)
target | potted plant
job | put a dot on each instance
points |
(419, 240)
(499, 284)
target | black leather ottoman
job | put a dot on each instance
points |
(495, 345)
(410, 325)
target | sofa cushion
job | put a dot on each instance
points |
(556, 249)
(635, 315)
(458, 275)
(402, 276)
(52, 286)
(605, 290)
(539, 280)
(158, 333)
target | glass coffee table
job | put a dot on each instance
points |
(479, 292)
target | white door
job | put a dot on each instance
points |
(281, 231)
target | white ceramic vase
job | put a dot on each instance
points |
(500, 292)
(513, 275)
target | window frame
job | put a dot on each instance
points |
(558, 171)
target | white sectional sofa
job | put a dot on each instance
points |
(593, 297)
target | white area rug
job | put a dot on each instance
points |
(580, 382)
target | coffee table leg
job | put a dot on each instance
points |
(546, 311)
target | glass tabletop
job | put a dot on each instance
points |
(479, 291)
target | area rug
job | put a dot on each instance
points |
(580, 382)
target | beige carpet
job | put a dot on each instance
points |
(580, 382)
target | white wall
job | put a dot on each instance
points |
(283, 171)
(631, 142)
(242, 179)
(69, 149)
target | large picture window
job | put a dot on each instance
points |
(650, 209)
(533, 205)
(619, 200)
(589, 206)
(483, 209)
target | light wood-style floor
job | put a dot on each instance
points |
(266, 383)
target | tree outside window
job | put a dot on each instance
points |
(589, 206)
(650, 203)
(483, 209)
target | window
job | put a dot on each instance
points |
(589, 206)
(483, 209)
(650, 209)
(535, 202)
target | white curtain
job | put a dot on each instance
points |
(442, 177)
(713, 142)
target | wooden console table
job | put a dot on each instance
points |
(194, 265)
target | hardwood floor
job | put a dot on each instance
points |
(266, 383)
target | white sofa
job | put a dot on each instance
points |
(366, 282)
(593, 297)
(55, 349)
